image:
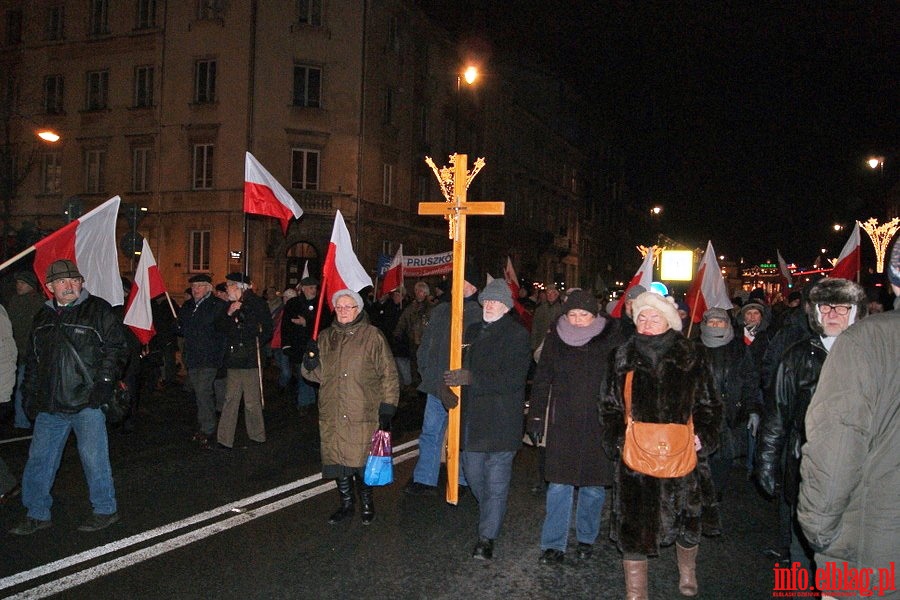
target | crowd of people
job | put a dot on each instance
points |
(801, 395)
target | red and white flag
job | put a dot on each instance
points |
(512, 280)
(708, 288)
(147, 284)
(341, 270)
(90, 242)
(847, 266)
(643, 276)
(787, 280)
(263, 195)
(393, 277)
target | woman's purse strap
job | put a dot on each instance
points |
(626, 393)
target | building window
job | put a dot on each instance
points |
(140, 169)
(53, 94)
(202, 166)
(55, 30)
(205, 81)
(143, 87)
(50, 173)
(387, 189)
(199, 251)
(145, 17)
(307, 86)
(99, 17)
(97, 90)
(210, 9)
(304, 169)
(13, 27)
(94, 171)
(309, 12)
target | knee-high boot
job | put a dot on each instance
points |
(345, 491)
(367, 502)
(635, 579)
(687, 569)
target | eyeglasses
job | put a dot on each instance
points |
(840, 309)
(351, 307)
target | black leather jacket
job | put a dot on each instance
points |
(55, 382)
(736, 380)
(782, 431)
(250, 323)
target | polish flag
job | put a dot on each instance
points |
(342, 269)
(263, 195)
(393, 277)
(785, 272)
(708, 288)
(148, 284)
(847, 266)
(90, 242)
(643, 276)
(512, 280)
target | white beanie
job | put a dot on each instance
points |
(664, 305)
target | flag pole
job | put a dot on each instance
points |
(18, 256)
(171, 306)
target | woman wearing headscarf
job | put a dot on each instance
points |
(671, 384)
(359, 390)
(564, 394)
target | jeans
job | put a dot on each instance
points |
(555, 532)
(21, 419)
(431, 443)
(489, 474)
(51, 430)
(285, 372)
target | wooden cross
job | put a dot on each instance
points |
(455, 210)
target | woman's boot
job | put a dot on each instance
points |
(345, 491)
(635, 579)
(687, 569)
(367, 502)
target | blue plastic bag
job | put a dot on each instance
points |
(379, 465)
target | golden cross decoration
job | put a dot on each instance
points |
(454, 182)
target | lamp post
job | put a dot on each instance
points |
(469, 75)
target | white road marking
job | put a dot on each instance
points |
(236, 512)
(18, 439)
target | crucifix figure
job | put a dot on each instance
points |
(454, 183)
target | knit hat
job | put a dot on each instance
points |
(497, 290)
(753, 305)
(348, 292)
(27, 277)
(239, 278)
(580, 299)
(635, 291)
(61, 269)
(201, 278)
(716, 313)
(665, 305)
(894, 264)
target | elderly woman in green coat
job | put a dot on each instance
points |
(359, 390)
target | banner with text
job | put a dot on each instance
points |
(427, 264)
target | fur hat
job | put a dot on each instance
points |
(894, 264)
(580, 299)
(665, 305)
(60, 269)
(348, 292)
(834, 290)
(635, 291)
(497, 290)
(716, 313)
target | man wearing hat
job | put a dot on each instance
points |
(78, 349)
(247, 325)
(495, 366)
(22, 308)
(204, 351)
(297, 323)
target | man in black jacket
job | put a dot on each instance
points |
(297, 323)
(77, 352)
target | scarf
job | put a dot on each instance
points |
(715, 337)
(654, 347)
(578, 336)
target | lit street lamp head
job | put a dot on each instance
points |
(875, 162)
(48, 135)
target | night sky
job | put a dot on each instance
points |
(749, 125)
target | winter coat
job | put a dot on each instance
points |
(412, 322)
(357, 375)
(782, 431)
(8, 355)
(246, 331)
(850, 486)
(21, 310)
(736, 381)
(570, 380)
(294, 337)
(433, 356)
(54, 380)
(204, 341)
(650, 512)
(498, 355)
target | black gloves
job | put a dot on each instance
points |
(535, 430)
(448, 398)
(458, 377)
(101, 393)
(385, 414)
(311, 355)
(384, 422)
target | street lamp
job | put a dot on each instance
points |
(469, 75)
(876, 162)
